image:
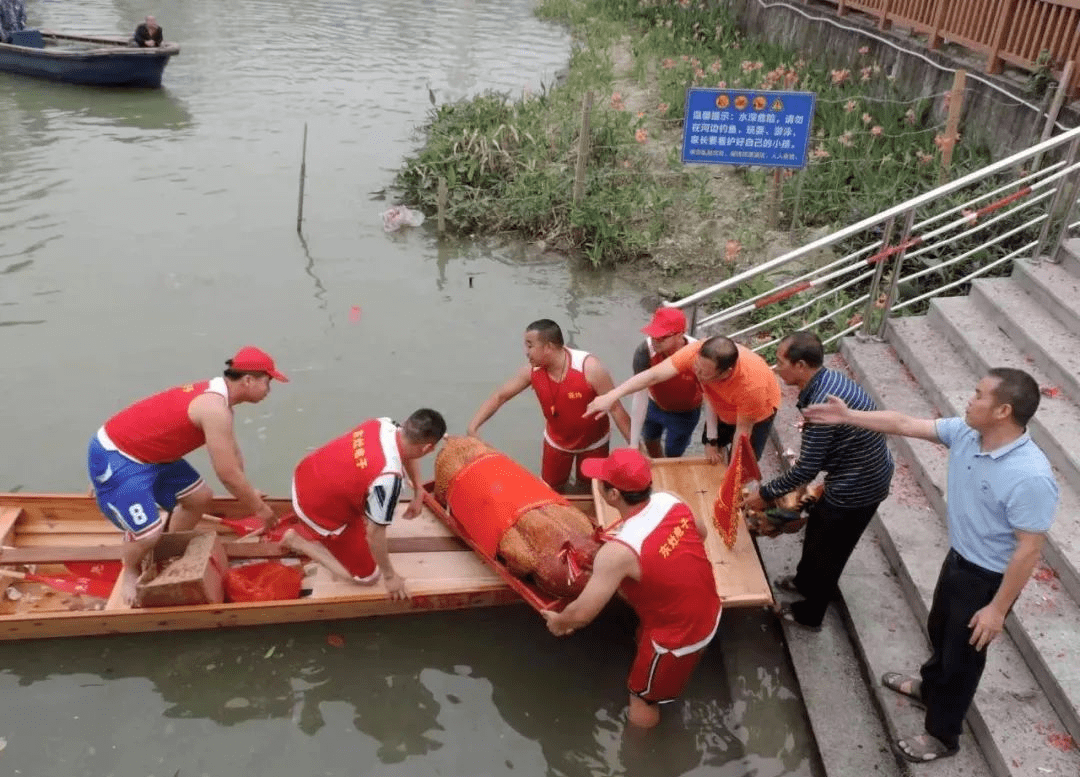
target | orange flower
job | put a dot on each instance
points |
(668, 63)
(642, 135)
(876, 131)
(662, 108)
(850, 105)
(864, 50)
(840, 76)
(867, 118)
(732, 250)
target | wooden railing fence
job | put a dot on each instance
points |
(1006, 31)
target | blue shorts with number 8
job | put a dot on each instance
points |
(129, 492)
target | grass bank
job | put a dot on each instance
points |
(509, 161)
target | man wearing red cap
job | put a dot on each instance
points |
(565, 381)
(654, 555)
(672, 406)
(345, 494)
(136, 459)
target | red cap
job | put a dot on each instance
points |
(251, 359)
(666, 321)
(625, 469)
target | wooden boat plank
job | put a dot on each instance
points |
(740, 579)
(40, 552)
(99, 622)
(8, 517)
(425, 573)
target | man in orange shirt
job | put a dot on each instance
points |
(741, 391)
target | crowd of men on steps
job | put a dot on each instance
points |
(1001, 491)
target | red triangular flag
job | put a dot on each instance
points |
(742, 469)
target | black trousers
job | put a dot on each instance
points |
(832, 532)
(951, 675)
(759, 434)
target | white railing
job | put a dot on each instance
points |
(1012, 209)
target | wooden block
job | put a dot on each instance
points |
(194, 563)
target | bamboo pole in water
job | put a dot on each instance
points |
(303, 172)
(583, 148)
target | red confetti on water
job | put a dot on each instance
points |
(335, 640)
(354, 313)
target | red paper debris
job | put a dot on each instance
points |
(335, 640)
(1049, 391)
(354, 313)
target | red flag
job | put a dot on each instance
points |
(72, 585)
(742, 469)
(108, 571)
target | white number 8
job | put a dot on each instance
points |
(138, 515)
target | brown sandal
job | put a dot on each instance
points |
(904, 684)
(923, 748)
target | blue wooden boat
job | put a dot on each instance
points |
(84, 59)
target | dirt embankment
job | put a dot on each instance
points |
(696, 252)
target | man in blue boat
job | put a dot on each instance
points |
(149, 34)
(136, 463)
(1001, 502)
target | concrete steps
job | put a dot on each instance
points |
(1029, 687)
(855, 725)
(1025, 720)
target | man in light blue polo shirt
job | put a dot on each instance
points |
(1001, 502)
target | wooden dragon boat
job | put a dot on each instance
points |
(39, 532)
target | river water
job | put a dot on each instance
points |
(145, 235)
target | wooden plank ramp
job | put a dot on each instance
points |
(740, 578)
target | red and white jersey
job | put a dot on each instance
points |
(157, 430)
(675, 395)
(676, 597)
(356, 475)
(563, 405)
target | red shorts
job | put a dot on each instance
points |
(350, 547)
(658, 675)
(556, 464)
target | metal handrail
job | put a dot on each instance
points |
(1041, 189)
(896, 210)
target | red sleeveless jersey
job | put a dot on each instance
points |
(157, 429)
(675, 395)
(331, 483)
(564, 403)
(676, 597)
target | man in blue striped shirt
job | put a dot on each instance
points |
(858, 469)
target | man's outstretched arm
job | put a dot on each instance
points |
(835, 411)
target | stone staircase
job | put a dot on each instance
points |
(1025, 721)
